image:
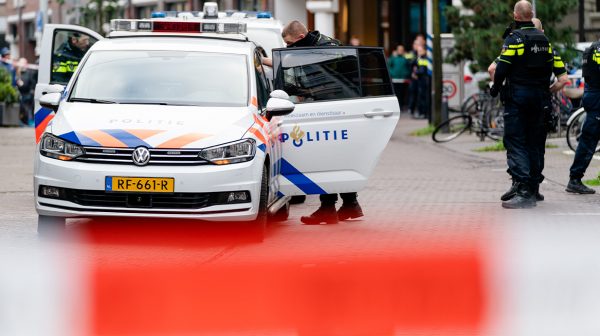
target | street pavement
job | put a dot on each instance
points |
(435, 254)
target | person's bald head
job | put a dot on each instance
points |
(523, 11)
(293, 32)
(537, 23)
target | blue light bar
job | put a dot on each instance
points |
(264, 15)
(158, 15)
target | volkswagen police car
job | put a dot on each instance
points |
(174, 117)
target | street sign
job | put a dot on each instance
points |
(449, 88)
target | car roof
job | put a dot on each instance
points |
(215, 43)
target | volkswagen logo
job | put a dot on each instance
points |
(141, 156)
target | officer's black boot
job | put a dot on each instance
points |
(326, 213)
(350, 210)
(510, 193)
(577, 187)
(524, 199)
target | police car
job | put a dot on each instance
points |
(174, 117)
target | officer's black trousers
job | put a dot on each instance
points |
(589, 135)
(330, 199)
(525, 133)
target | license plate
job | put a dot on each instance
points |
(140, 184)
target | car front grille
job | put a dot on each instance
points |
(173, 157)
(100, 198)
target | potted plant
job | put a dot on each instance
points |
(8, 99)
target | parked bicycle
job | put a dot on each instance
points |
(481, 114)
(574, 128)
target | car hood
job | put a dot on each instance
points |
(153, 126)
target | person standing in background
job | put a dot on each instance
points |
(400, 72)
(26, 80)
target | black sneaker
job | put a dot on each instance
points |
(524, 199)
(510, 193)
(577, 187)
(324, 214)
(350, 211)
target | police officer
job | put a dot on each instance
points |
(590, 133)
(562, 80)
(423, 83)
(67, 58)
(526, 62)
(295, 34)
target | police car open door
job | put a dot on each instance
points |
(61, 50)
(345, 114)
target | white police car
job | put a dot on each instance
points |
(175, 118)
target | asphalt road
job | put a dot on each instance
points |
(434, 255)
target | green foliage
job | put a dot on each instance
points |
(497, 147)
(479, 36)
(98, 12)
(592, 182)
(428, 130)
(8, 94)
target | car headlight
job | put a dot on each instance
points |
(57, 148)
(235, 152)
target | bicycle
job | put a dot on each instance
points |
(574, 128)
(480, 114)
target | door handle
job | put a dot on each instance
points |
(377, 113)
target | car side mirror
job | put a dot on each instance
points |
(53, 88)
(280, 94)
(279, 107)
(51, 100)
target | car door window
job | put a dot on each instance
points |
(262, 83)
(333, 73)
(68, 49)
(319, 74)
(374, 74)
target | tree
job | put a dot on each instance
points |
(478, 29)
(98, 12)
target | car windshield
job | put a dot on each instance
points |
(163, 77)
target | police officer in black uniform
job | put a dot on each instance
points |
(590, 133)
(526, 63)
(294, 35)
(561, 80)
(67, 58)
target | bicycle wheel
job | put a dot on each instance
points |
(451, 128)
(495, 123)
(574, 128)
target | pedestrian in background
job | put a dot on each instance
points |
(413, 87)
(400, 72)
(26, 80)
(590, 133)
(424, 84)
(8, 65)
(354, 41)
(527, 63)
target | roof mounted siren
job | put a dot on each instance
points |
(211, 10)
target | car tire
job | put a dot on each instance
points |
(50, 224)
(282, 214)
(259, 225)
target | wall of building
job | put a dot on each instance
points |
(288, 10)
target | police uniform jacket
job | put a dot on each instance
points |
(527, 58)
(591, 67)
(315, 39)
